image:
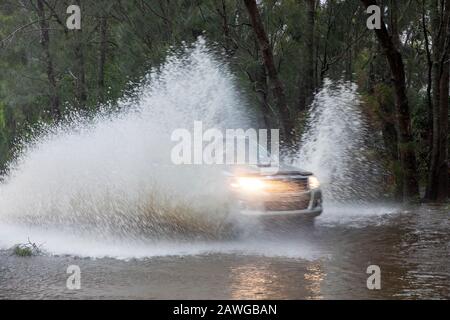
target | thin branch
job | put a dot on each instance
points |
(11, 35)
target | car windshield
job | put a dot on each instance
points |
(247, 151)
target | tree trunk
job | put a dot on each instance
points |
(307, 76)
(379, 87)
(275, 83)
(404, 131)
(261, 83)
(229, 46)
(102, 57)
(45, 42)
(80, 74)
(438, 184)
(429, 134)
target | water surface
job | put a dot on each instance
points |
(328, 261)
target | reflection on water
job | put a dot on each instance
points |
(425, 253)
(267, 280)
(329, 261)
(315, 277)
(254, 282)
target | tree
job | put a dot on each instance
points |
(438, 179)
(45, 42)
(429, 99)
(403, 117)
(307, 77)
(79, 66)
(276, 84)
(102, 53)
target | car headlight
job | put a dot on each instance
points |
(248, 184)
(313, 182)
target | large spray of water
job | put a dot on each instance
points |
(335, 145)
(108, 186)
(115, 175)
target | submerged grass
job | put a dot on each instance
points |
(28, 249)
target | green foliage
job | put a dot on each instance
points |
(28, 249)
(22, 251)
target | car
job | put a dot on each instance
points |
(267, 188)
(290, 192)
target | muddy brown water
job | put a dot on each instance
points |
(328, 261)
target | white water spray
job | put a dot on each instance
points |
(335, 145)
(105, 187)
(115, 175)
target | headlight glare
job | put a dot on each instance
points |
(248, 184)
(313, 182)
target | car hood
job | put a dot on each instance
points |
(282, 170)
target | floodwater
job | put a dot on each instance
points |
(327, 261)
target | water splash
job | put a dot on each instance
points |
(107, 187)
(114, 175)
(336, 145)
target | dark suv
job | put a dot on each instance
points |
(289, 191)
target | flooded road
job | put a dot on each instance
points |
(328, 261)
(102, 194)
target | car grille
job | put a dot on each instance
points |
(298, 203)
(288, 186)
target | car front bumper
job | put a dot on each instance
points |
(312, 209)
